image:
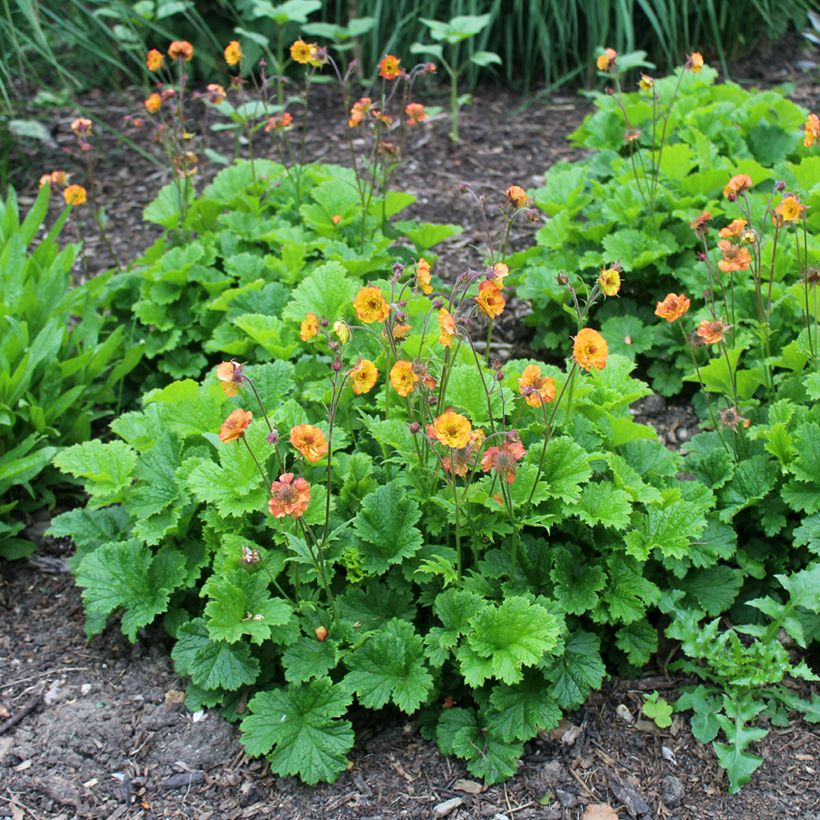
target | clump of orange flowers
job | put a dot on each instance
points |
(504, 458)
(590, 350)
(735, 257)
(153, 103)
(415, 113)
(310, 441)
(75, 195)
(154, 60)
(289, 497)
(358, 111)
(517, 196)
(181, 50)
(231, 376)
(309, 327)
(536, 388)
(233, 428)
(811, 130)
(363, 376)
(733, 229)
(403, 377)
(736, 186)
(370, 305)
(790, 209)
(712, 332)
(451, 429)
(672, 307)
(490, 299)
(606, 61)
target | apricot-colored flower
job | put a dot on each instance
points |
(517, 196)
(302, 52)
(310, 441)
(490, 299)
(606, 61)
(230, 375)
(75, 195)
(609, 280)
(279, 123)
(82, 126)
(181, 50)
(590, 349)
(735, 257)
(235, 425)
(423, 276)
(452, 429)
(403, 377)
(464, 458)
(694, 62)
(389, 67)
(400, 331)
(790, 209)
(646, 83)
(363, 376)
(672, 307)
(370, 305)
(500, 272)
(734, 228)
(342, 331)
(811, 130)
(309, 327)
(154, 60)
(712, 332)
(153, 102)
(56, 179)
(504, 458)
(447, 327)
(289, 497)
(736, 186)
(357, 112)
(233, 52)
(215, 93)
(536, 388)
(698, 225)
(415, 113)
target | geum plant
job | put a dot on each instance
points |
(759, 455)
(416, 530)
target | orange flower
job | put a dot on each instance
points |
(370, 305)
(606, 61)
(279, 123)
(358, 111)
(423, 276)
(56, 179)
(403, 377)
(698, 225)
(712, 332)
(490, 299)
(672, 307)
(812, 130)
(646, 83)
(734, 228)
(590, 349)
(75, 195)
(500, 272)
(735, 257)
(363, 376)
(215, 93)
(302, 52)
(400, 331)
(342, 331)
(231, 376)
(235, 425)
(309, 327)
(609, 280)
(289, 497)
(153, 102)
(233, 52)
(82, 127)
(790, 209)
(389, 67)
(452, 429)
(447, 327)
(154, 60)
(415, 113)
(694, 62)
(464, 458)
(536, 388)
(503, 459)
(309, 441)
(517, 196)
(181, 50)
(736, 186)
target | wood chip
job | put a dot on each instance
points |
(468, 786)
(599, 811)
(447, 807)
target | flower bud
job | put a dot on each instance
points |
(323, 322)
(398, 270)
(337, 365)
(273, 436)
(321, 633)
(438, 304)
(702, 256)
(562, 279)
(414, 427)
(780, 185)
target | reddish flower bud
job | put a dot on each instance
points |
(321, 633)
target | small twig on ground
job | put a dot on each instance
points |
(29, 706)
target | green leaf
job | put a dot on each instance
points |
(566, 467)
(213, 664)
(754, 478)
(577, 581)
(806, 466)
(639, 641)
(300, 731)
(505, 638)
(485, 58)
(629, 593)
(808, 533)
(739, 764)
(310, 658)
(127, 575)
(105, 468)
(603, 503)
(389, 666)
(327, 292)
(519, 712)
(713, 589)
(657, 709)
(386, 524)
(578, 671)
